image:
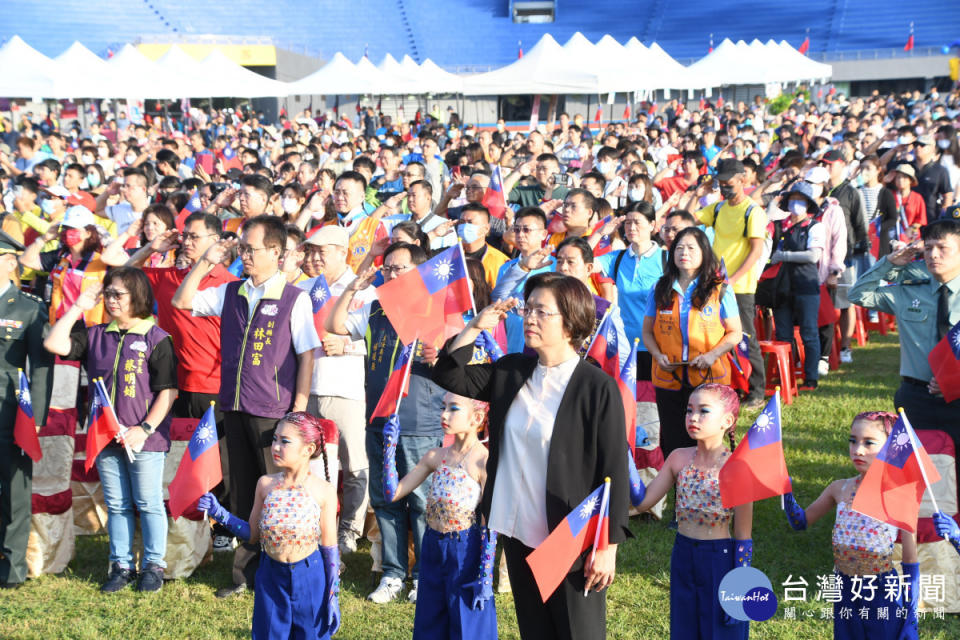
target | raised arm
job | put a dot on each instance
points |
(214, 255)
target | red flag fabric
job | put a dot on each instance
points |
(398, 384)
(199, 469)
(605, 348)
(599, 114)
(102, 427)
(428, 302)
(551, 561)
(757, 469)
(627, 383)
(193, 204)
(494, 199)
(893, 486)
(945, 362)
(909, 45)
(519, 50)
(626, 112)
(323, 302)
(25, 426)
(740, 367)
(804, 46)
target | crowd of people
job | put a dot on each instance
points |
(177, 260)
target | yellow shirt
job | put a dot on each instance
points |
(731, 243)
(492, 261)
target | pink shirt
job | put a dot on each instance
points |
(835, 239)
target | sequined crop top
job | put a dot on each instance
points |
(290, 520)
(452, 500)
(861, 545)
(698, 497)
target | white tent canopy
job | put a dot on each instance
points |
(342, 77)
(190, 82)
(546, 68)
(757, 63)
(436, 80)
(141, 77)
(27, 73)
(82, 74)
(239, 81)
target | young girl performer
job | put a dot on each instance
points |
(703, 552)
(294, 513)
(454, 596)
(863, 546)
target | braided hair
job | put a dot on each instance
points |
(311, 430)
(886, 419)
(730, 402)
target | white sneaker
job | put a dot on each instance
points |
(387, 590)
(222, 544)
(412, 596)
(347, 545)
(846, 356)
(823, 368)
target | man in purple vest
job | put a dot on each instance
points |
(267, 338)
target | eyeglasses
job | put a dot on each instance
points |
(113, 294)
(538, 312)
(527, 230)
(397, 268)
(245, 249)
(474, 187)
(193, 237)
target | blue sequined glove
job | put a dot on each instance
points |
(486, 342)
(796, 516)
(331, 572)
(911, 580)
(743, 552)
(947, 528)
(638, 491)
(240, 528)
(391, 434)
(480, 590)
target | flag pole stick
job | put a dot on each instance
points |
(776, 393)
(605, 497)
(602, 320)
(406, 374)
(914, 441)
(466, 273)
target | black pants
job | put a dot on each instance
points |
(748, 310)
(248, 442)
(16, 473)
(566, 615)
(931, 412)
(672, 409)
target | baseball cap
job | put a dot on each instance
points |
(926, 140)
(58, 191)
(77, 217)
(330, 234)
(832, 156)
(726, 169)
(817, 175)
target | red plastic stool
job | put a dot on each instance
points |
(782, 374)
(835, 349)
(859, 332)
(800, 353)
(880, 326)
(763, 325)
(891, 321)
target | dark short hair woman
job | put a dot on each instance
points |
(541, 467)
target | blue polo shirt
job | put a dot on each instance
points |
(636, 278)
(728, 309)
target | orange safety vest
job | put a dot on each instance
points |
(361, 239)
(704, 331)
(94, 272)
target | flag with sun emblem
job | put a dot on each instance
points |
(428, 302)
(945, 362)
(199, 470)
(893, 486)
(627, 384)
(551, 560)
(757, 469)
(322, 301)
(24, 425)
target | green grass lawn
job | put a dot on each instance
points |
(815, 440)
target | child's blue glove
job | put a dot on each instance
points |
(911, 580)
(743, 552)
(331, 572)
(796, 516)
(240, 528)
(947, 528)
(391, 434)
(637, 489)
(479, 591)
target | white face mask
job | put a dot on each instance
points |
(345, 155)
(130, 158)
(290, 205)
(798, 207)
(86, 159)
(636, 194)
(943, 144)
(103, 152)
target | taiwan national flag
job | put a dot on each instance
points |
(627, 383)
(398, 384)
(428, 302)
(193, 205)
(25, 426)
(757, 469)
(102, 427)
(945, 362)
(323, 302)
(804, 46)
(607, 342)
(551, 561)
(893, 486)
(230, 158)
(199, 469)
(494, 199)
(741, 367)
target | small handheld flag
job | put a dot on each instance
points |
(627, 384)
(398, 384)
(494, 199)
(757, 469)
(607, 342)
(893, 486)
(551, 561)
(199, 469)
(321, 299)
(103, 425)
(944, 361)
(193, 205)
(25, 426)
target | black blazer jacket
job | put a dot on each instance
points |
(589, 439)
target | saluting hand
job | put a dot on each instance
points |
(491, 315)
(90, 297)
(218, 252)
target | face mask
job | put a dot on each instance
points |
(103, 152)
(290, 205)
(798, 207)
(763, 147)
(860, 180)
(345, 155)
(607, 167)
(48, 206)
(468, 232)
(727, 191)
(635, 195)
(943, 144)
(130, 158)
(86, 159)
(308, 156)
(72, 237)
(903, 140)
(92, 180)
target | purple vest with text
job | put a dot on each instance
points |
(122, 361)
(259, 371)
